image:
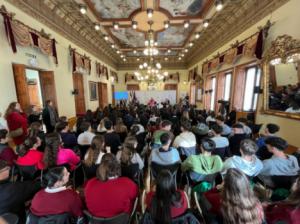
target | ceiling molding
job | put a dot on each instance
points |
(50, 18)
(220, 31)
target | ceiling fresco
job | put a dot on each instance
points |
(174, 36)
(113, 9)
(179, 8)
(129, 37)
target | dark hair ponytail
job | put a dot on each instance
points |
(54, 174)
(26, 145)
(51, 149)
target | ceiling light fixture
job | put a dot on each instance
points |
(219, 5)
(166, 24)
(191, 44)
(138, 59)
(206, 23)
(134, 51)
(166, 59)
(122, 56)
(186, 24)
(186, 50)
(179, 58)
(150, 13)
(124, 59)
(182, 55)
(134, 24)
(118, 52)
(169, 51)
(150, 44)
(197, 35)
(116, 26)
(106, 37)
(112, 46)
(82, 9)
(97, 26)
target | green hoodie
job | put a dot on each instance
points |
(203, 164)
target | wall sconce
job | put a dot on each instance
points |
(75, 92)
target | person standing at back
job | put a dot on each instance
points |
(50, 116)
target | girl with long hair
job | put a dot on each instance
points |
(121, 129)
(56, 155)
(128, 154)
(28, 154)
(166, 202)
(95, 152)
(108, 194)
(57, 198)
(16, 122)
(239, 204)
(287, 211)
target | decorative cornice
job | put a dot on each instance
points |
(45, 15)
(220, 31)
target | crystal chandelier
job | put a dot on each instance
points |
(150, 72)
(150, 44)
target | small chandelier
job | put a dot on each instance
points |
(150, 44)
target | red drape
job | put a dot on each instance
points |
(220, 89)
(239, 87)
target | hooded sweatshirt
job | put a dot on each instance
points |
(276, 166)
(250, 168)
(163, 157)
(203, 164)
(185, 140)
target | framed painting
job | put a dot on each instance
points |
(93, 91)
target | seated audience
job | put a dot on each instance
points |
(186, 140)
(270, 130)
(210, 118)
(221, 142)
(121, 129)
(57, 198)
(28, 153)
(165, 128)
(101, 128)
(236, 138)
(226, 129)
(280, 164)
(6, 152)
(108, 194)
(166, 202)
(34, 115)
(235, 203)
(203, 164)
(38, 127)
(165, 155)
(96, 151)
(128, 154)
(286, 211)
(56, 155)
(87, 136)
(247, 129)
(112, 139)
(13, 195)
(68, 138)
(201, 128)
(248, 163)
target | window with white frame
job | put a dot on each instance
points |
(227, 86)
(252, 82)
(213, 93)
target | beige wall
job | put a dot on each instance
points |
(286, 20)
(62, 72)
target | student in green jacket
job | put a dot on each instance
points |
(204, 163)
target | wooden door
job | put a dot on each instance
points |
(79, 95)
(48, 87)
(113, 94)
(102, 90)
(21, 85)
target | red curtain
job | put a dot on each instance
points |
(239, 87)
(220, 89)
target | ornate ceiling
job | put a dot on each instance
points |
(109, 44)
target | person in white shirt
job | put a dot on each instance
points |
(186, 140)
(87, 136)
(95, 153)
(226, 129)
(247, 129)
